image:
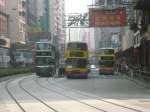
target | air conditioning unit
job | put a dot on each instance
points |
(5, 42)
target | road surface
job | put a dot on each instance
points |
(95, 94)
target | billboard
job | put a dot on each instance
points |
(107, 17)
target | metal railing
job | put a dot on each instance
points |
(142, 76)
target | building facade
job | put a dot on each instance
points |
(50, 20)
(107, 36)
(136, 36)
(57, 19)
(4, 38)
(141, 37)
(16, 10)
(32, 16)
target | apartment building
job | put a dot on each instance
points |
(31, 15)
(56, 19)
(16, 10)
(4, 39)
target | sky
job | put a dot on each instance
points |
(77, 6)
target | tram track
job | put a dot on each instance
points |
(51, 109)
(92, 97)
(55, 106)
(70, 94)
(38, 99)
(59, 93)
(12, 96)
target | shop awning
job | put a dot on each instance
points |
(143, 5)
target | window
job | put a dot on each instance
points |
(77, 46)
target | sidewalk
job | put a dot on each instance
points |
(13, 76)
(143, 84)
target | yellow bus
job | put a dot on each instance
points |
(106, 60)
(76, 60)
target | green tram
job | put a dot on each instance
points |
(45, 59)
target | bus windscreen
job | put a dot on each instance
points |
(76, 54)
(107, 51)
(106, 63)
(107, 58)
(77, 46)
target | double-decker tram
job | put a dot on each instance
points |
(76, 60)
(106, 60)
(44, 59)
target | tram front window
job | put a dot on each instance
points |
(77, 46)
(43, 61)
(41, 46)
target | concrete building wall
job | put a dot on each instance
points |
(97, 37)
(13, 21)
(40, 8)
(56, 18)
(4, 49)
(127, 40)
(3, 19)
(32, 13)
(17, 22)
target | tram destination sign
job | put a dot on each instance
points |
(107, 17)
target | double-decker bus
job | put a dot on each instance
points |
(76, 60)
(45, 59)
(106, 60)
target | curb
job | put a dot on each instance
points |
(5, 78)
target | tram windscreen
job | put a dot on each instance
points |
(43, 54)
(43, 61)
(43, 46)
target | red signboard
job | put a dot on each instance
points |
(107, 18)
